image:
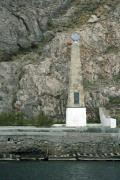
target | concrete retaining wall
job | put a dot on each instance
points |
(59, 143)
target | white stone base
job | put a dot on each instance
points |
(105, 119)
(76, 117)
(109, 122)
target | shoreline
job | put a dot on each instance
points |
(52, 159)
(59, 144)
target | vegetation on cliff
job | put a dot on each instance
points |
(19, 119)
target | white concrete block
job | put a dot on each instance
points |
(112, 123)
(105, 119)
(76, 117)
(109, 122)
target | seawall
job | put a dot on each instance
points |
(30, 143)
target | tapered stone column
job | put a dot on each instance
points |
(76, 111)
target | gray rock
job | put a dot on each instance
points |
(8, 85)
(23, 23)
(93, 19)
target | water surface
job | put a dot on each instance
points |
(60, 170)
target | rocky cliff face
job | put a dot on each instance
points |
(35, 54)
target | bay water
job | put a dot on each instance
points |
(60, 170)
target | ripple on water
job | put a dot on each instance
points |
(60, 170)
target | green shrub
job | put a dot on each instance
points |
(50, 23)
(18, 119)
(88, 84)
(116, 77)
(114, 99)
(117, 117)
(42, 120)
(112, 50)
(11, 119)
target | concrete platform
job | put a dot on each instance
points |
(76, 117)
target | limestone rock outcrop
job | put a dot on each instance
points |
(35, 54)
(23, 23)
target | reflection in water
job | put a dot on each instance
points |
(60, 170)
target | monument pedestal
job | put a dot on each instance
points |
(75, 117)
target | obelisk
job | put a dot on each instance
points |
(76, 111)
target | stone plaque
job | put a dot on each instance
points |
(76, 98)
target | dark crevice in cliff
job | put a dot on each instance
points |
(23, 20)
